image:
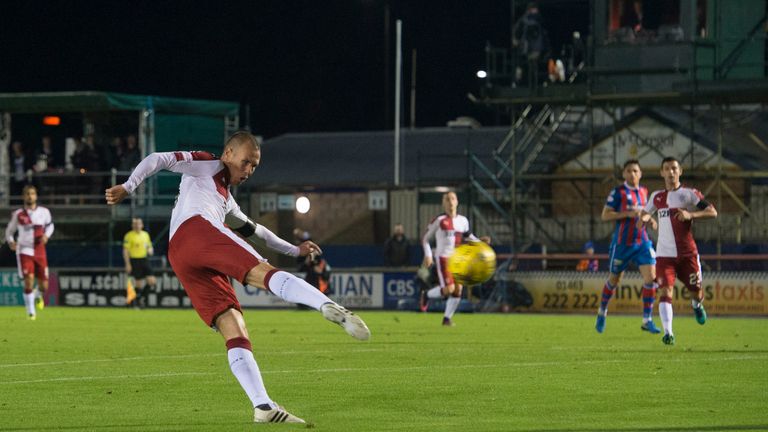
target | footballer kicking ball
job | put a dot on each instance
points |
(472, 263)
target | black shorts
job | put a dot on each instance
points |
(140, 268)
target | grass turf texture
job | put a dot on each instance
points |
(162, 370)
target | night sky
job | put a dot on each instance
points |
(300, 65)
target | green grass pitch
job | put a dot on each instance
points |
(163, 370)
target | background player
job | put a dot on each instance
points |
(449, 230)
(624, 205)
(677, 254)
(137, 245)
(205, 253)
(34, 226)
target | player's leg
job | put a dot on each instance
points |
(215, 301)
(41, 274)
(243, 365)
(294, 290)
(666, 275)
(26, 267)
(139, 273)
(616, 267)
(448, 288)
(689, 269)
(452, 303)
(424, 280)
(437, 291)
(29, 295)
(646, 261)
(42, 285)
(211, 245)
(608, 289)
(648, 271)
(143, 288)
(139, 284)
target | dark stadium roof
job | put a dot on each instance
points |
(435, 156)
(365, 159)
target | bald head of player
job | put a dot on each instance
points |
(241, 156)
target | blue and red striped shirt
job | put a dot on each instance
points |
(626, 198)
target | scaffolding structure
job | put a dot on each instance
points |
(704, 78)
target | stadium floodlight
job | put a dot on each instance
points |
(302, 204)
(482, 74)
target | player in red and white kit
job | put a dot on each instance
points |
(449, 230)
(34, 226)
(205, 253)
(676, 253)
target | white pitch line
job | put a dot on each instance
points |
(379, 369)
(178, 356)
(91, 378)
(105, 360)
(503, 365)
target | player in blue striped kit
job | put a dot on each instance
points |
(624, 205)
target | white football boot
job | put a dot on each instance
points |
(352, 324)
(274, 415)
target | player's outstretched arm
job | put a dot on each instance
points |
(253, 232)
(115, 194)
(179, 162)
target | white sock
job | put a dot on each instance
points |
(665, 312)
(451, 305)
(245, 369)
(435, 293)
(294, 290)
(29, 302)
(695, 303)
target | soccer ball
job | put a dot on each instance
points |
(472, 263)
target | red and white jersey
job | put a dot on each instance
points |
(675, 237)
(204, 191)
(31, 225)
(448, 233)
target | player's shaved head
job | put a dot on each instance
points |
(241, 155)
(242, 137)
